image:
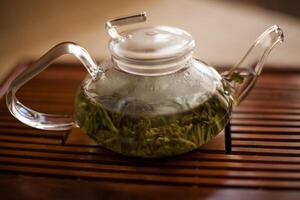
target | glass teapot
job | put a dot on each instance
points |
(152, 98)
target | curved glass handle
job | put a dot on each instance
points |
(42, 120)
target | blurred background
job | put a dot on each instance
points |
(223, 30)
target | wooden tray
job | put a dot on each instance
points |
(265, 159)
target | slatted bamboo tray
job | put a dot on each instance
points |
(264, 164)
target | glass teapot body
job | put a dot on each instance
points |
(152, 98)
(153, 116)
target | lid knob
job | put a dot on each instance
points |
(131, 19)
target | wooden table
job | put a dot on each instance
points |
(264, 164)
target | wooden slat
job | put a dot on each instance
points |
(266, 116)
(270, 104)
(32, 140)
(264, 129)
(265, 137)
(268, 144)
(267, 110)
(271, 123)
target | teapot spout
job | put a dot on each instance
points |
(243, 75)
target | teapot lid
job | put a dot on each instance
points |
(149, 51)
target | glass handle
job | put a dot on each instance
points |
(41, 120)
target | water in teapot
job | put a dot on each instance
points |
(147, 127)
(146, 135)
